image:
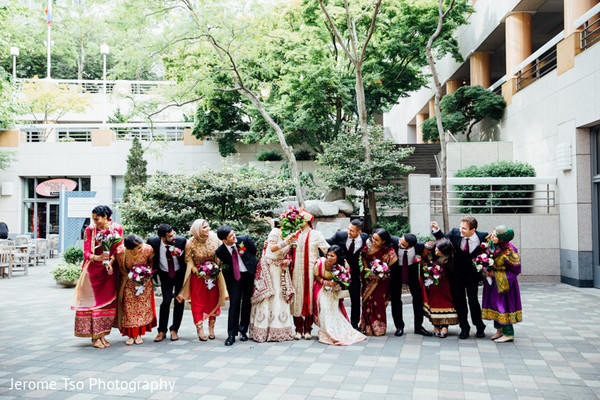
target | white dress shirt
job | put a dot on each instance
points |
(240, 262)
(162, 256)
(411, 255)
(358, 243)
(474, 242)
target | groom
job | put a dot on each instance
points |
(169, 262)
(239, 256)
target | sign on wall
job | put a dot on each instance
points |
(52, 187)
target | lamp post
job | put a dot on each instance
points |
(104, 50)
(14, 51)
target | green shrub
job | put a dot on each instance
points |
(304, 155)
(66, 272)
(269, 155)
(73, 255)
(396, 225)
(482, 202)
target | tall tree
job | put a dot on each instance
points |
(136, 174)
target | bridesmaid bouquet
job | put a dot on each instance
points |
(380, 269)
(107, 238)
(341, 275)
(209, 269)
(432, 272)
(140, 274)
(290, 221)
(482, 262)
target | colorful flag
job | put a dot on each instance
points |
(49, 12)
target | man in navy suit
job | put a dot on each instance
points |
(169, 264)
(238, 255)
(463, 276)
(352, 241)
(406, 271)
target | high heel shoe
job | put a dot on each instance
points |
(201, 335)
(211, 329)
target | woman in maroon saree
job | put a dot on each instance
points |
(94, 298)
(375, 291)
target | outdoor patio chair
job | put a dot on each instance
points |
(21, 240)
(6, 260)
(24, 257)
(52, 245)
(41, 250)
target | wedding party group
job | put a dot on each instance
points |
(297, 279)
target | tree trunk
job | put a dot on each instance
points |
(438, 114)
(287, 150)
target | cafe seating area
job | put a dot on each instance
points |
(23, 252)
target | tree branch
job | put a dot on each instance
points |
(371, 29)
(174, 104)
(336, 32)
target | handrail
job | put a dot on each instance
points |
(95, 81)
(109, 125)
(498, 83)
(589, 14)
(534, 180)
(552, 42)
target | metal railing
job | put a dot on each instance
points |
(539, 68)
(97, 86)
(590, 33)
(160, 131)
(495, 195)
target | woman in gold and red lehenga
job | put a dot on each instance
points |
(206, 295)
(375, 289)
(136, 312)
(94, 298)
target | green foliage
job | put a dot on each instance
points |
(73, 255)
(235, 195)
(304, 155)
(396, 225)
(480, 203)
(6, 158)
(136, 175)
(66, 272)
(269, 155)
(8, 106)
(464, 108)
(346, 166)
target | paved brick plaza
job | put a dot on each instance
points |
(556, 356)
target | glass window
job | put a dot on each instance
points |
(596, 137)
(28, 208)
(29, 188)
(118, 188)
(85, 185)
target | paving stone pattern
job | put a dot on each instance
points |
(555, 356)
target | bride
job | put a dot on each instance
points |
(271, 320)
(329, 312)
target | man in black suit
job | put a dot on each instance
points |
(463, 276)
(239, 256)
(352, 241)
(169, 264)
(406, 271)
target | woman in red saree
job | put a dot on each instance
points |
(94, 298)
(375, 290)
(136, 313)
(205, 294)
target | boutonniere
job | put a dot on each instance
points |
(175, 251)
(484, 245)
(417, 259)
(241, 248)
(365, 249)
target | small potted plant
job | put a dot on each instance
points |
(67, 273)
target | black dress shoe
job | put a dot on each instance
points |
(243, 337)
(464, 334)
(480, 333)
(399, 332)
(230, 340)
(423, 331)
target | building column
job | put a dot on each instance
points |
(480, 69)
(432, 108)
(569, 47)
(518, 48)
(452, 86)
(420, 119)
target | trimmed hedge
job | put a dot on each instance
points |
(269, 155)
(471, 203)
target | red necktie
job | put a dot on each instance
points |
(171, 264)
(405, 267)
(466, 249)
(351, 248)
(236, 264)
